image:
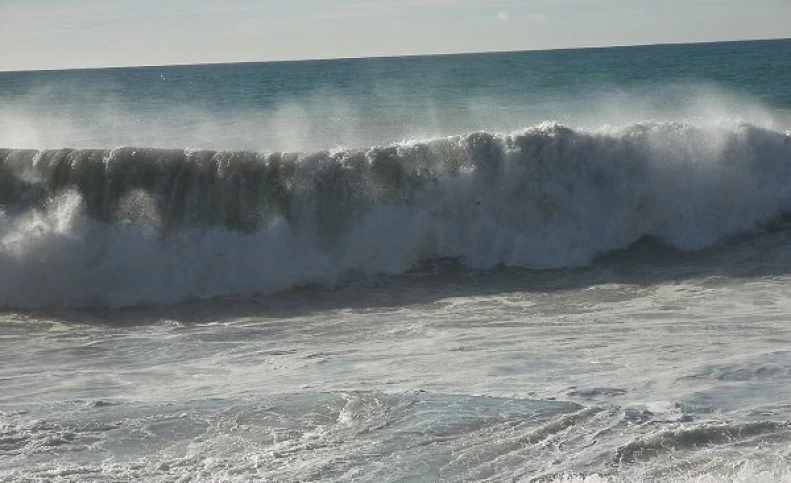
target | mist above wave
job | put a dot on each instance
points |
(104, 114)
(140, 225)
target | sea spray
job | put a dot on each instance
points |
(128, 226)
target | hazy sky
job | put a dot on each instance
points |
(44, 34)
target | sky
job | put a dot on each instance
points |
(56, 34)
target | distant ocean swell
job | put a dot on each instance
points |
(132, 226)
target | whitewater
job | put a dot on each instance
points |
(210, 224)
(384, 270)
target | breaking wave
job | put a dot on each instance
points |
(132, 226)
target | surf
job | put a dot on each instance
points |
(130, 225)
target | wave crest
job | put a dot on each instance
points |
(141, 225)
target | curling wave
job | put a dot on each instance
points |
(141, 225)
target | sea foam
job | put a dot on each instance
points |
(130, 226)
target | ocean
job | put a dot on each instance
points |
(560, 266)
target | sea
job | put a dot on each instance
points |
(568, 266)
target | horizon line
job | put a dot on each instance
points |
(387, 56)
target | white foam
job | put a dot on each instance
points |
(546, 197)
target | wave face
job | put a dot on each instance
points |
(132, 226)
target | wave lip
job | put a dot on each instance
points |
(141, 225)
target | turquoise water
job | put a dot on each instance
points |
(300, 106)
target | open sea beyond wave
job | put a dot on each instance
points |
(564, 266)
